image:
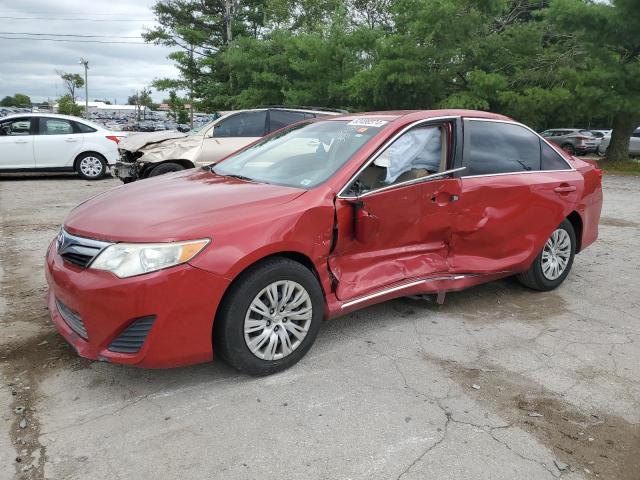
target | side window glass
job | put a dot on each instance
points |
(82, 128)
(18, 126)
(55, 126)
(416, 154)
(245, 124)
(550, 159)
(494, 147)
(281, 118)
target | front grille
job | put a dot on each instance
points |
(78, 250)
(72, 319)
(132, 338)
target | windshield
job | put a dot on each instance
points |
(303, 156)
(198, 128)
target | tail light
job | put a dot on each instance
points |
(113, 138)
(598, 172)
(582, 139)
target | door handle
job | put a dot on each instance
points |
(565, 188)
(21, 141)
(70, 140)
(441, 199)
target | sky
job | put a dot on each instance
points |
(116, 71)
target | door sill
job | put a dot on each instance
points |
(397, 288)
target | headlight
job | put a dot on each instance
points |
(129, 259)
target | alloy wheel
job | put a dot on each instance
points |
(556, 254)
(278, 320)
(91, 166)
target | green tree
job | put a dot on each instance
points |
(68, 106)
(177, 109)
(18, 100)
(609, 71)
(71, 81)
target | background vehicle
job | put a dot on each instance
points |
(634, 143)
(140, 158)
(572, 140)
(311, 223)
(50, 142)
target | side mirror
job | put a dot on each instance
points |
(366, 225)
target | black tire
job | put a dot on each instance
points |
(569, 148)
(165, 168)
(534, 277)
(96, 169)
(228, 337)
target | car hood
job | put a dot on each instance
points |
(178, 206)
(136, 141)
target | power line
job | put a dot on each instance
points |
(93, 14)
(65, 35)
(82, 19)
(71, 40)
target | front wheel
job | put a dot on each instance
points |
(554, 262)
(165, 168)
(270, 317)
(91, 166)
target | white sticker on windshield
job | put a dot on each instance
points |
(367, 122)
(305, 182)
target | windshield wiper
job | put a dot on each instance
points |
(524, 165)
(240, 177)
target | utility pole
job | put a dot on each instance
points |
(191, 87)
(86, 87)
(227, 18)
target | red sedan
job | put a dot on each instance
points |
(246, 258)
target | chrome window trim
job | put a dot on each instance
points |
(511, 122)
(529, 172)
(382, 148)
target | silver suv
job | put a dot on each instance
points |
(572, 140)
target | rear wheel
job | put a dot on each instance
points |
(270, 317)
(569, 148)
(554, 262)
(91, 166)
(165, 168)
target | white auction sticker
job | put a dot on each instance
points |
(367, 122)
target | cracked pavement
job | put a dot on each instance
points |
(500, 382)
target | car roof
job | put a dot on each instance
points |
(320, 111)
(40, 114)
(422, 115)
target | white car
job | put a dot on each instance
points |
(48, 142)
(149, 154)
(634, 143)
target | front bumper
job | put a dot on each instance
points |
(183, 299)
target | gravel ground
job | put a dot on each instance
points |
(498, 383)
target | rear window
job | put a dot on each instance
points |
(55, 126)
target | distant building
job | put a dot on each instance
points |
(105, 108)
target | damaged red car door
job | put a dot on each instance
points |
(516, 189)
(394, 218)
